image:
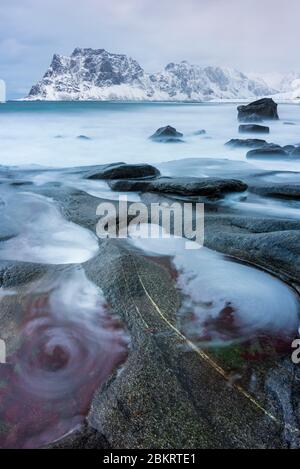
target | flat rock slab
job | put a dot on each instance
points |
(279, 191)
(209, 187)
(254, 128)
(124, 171)
(245, 143)
(169, 394)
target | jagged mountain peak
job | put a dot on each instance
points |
(96, 74)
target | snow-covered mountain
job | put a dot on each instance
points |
(90, 74)
(289, 87)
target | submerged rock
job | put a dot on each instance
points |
(246, 143)
(264, 108)
(123, 171)
(249, 128)
(187, 186)
(83, 137)
(268, 152)
(200, 132)
(167, 134)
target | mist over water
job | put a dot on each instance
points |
(46, 133)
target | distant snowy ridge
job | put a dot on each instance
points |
(90, 74)
(289, 87)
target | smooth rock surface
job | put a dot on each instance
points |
(123, 171)
(209, 187)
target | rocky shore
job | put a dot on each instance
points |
(171, 391)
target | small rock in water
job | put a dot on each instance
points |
(124, 171)
(264, 108)
(83, 137)
(268, 152)
(167, 134)
(200, 132)
(246, 143)
(249, 128)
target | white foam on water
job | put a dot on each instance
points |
(69, 344)
(95, 188)
(210, 283)
(263, 206)
(77, 323)
(43, 234)
(119, 132)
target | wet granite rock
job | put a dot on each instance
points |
(268, 152)
(288, 191)
(273, 151)
(167, 134)
(85, 437)
(254, 128)
(264, 108)
(123, 171)
(186, 186)
(246, 143)
(168, 394)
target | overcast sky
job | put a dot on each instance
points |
(251, 35)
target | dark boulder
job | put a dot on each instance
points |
(268, 152)
(254, 128)
(246, 143)
(264, 108)
(83, 137)
(186, 186)
(124, 171)
(252, 118)
(167, 134)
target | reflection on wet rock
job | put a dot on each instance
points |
(69, 344)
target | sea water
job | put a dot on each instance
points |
(46, 133)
